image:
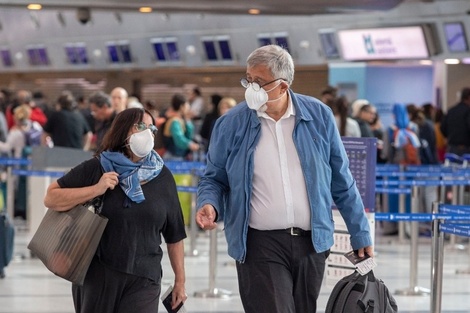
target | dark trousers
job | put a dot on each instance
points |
(108, 291)
(281, 273)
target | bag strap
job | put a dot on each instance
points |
(97, 203)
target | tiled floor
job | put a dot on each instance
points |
(29, 287)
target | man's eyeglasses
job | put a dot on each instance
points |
(245, 83)
(141, 126)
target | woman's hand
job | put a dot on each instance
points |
(107, 180)
(179, 295)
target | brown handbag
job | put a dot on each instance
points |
(67, 241)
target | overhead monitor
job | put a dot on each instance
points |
(388, 43)
(280, 38)
(7, 60)
(37, 55)
(119, 52)
(329, 44)
(165, 49)
(76, 53)
(455, 37)
(217, 48)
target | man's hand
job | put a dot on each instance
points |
(369, 250)
(205, 217)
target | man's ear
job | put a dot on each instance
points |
(284, 86)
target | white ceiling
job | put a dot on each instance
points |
(268, 7)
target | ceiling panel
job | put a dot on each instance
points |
(269, 7)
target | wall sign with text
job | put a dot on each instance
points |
(393, 43)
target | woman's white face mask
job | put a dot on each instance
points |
(141, 143)
(257, 99)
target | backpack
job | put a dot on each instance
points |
(33, 136)
(365, 294)
(408, 154)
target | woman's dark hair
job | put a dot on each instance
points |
(177, 101)
(115, 138)
(339, 106)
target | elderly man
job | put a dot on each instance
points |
(275, 163)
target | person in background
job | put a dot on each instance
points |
(160, 120)
(178, 131)
(399, 134)
(141, 202)
(426, 134)
(428, 156)
(134, 102)
(357, 105)
(40, 101)
(364, 117)
(378, 131)
(455, 125)
(275, 165)
(221, 106)
(347, 126)
(226, 104)
(84, 109)
(67, 127)
(196, 103)
(104, 113)
(328, 94)
(119, 99)
(441, 142)
(16, 141)
(24, 135)
(209, 120)
(25, 97)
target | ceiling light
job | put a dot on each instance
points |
(191, 50)
(451, 61)
(34, 6)
(304, 44)
(145, 9)
(254, 11)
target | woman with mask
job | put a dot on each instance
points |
(141, 202)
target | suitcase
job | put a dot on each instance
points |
(7, 235)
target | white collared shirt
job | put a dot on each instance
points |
(279, 195)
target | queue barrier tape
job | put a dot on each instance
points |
(453, 182)
(393, 190)
(460, 174)
(456, 229)
(421, 217)
(189, 189)
(454, 208)
(37, 173)
(14, 161)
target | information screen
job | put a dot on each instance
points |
(455, 37)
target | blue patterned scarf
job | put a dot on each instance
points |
(132, 174)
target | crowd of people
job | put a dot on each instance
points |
(261, 179)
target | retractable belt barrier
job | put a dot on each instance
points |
(454, 226)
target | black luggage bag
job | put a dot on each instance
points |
(361, 294)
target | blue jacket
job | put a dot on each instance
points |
(227, 181)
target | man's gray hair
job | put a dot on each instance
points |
(276, 58)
